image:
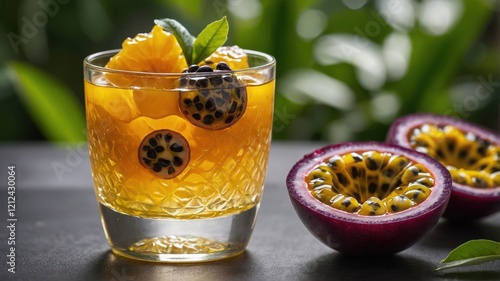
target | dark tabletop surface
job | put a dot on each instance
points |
(59, 234)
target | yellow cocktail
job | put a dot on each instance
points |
(226, 171)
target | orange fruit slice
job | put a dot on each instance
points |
(157, 52)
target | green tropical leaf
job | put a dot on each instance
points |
(52, 105)
(472, 252)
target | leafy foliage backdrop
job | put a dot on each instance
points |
(346, 69)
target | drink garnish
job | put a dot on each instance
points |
(196, 49)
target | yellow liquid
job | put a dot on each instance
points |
(226, 170)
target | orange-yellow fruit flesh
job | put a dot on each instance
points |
(370, 183)
(471, 161)
(234, 56)
(156, 52)
(226, 170)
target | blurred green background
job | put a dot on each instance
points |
(346, 69)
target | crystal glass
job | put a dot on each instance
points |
(178, 179)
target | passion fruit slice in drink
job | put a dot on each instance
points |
(368, 198)
(471, 153)
(213, 101)
(165, 153)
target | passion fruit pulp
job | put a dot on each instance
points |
(471, 154)
(362, 230)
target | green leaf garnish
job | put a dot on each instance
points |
(197, 49)
(209, 39)
(472, 252)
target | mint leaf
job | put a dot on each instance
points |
(185, 39)
(197, 49)
(209, 39)
(472, 252)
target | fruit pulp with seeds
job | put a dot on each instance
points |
(471, 160)
(226, 170)
(370, 183)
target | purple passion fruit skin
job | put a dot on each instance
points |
(355, 234)
(470, 152)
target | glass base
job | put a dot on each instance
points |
(178, 241)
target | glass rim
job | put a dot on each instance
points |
(88, 63)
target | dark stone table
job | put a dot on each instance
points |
(58, 232)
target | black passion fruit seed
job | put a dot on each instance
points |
(164, 153)
(214, 101)
(370, 182)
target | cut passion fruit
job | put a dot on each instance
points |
(215, 100)
(164, 153)
(368, 198)
(470, 153)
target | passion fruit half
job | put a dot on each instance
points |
(471, 154)
(368, 198)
